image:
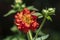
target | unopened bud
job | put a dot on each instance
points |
(18, 1)
(52, 10)
(44, 11)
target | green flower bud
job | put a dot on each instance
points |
(44, 11)
(51, 11)
(18, 1)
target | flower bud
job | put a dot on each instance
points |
(18, 1)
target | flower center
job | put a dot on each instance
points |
(27, 18)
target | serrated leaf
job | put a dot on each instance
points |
(10, 12)
(14, 29)
(49, 18)
(43, 37)
(32, 8)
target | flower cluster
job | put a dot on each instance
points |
(25, 21)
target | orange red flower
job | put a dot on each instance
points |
(25, 21)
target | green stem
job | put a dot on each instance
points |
(29, 35)
(40, 28)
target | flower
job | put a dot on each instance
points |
(25, 21)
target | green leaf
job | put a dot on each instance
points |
(7, 38)
(41, 33)
(17, 36)
(49, 18)
(16, 5)
(14, 29)
(38, 14)
(14, 39)
(23, 6)
(43, 37)
(20, 36)
(32, 8)
(10, 12)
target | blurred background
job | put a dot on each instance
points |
(52, 28)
